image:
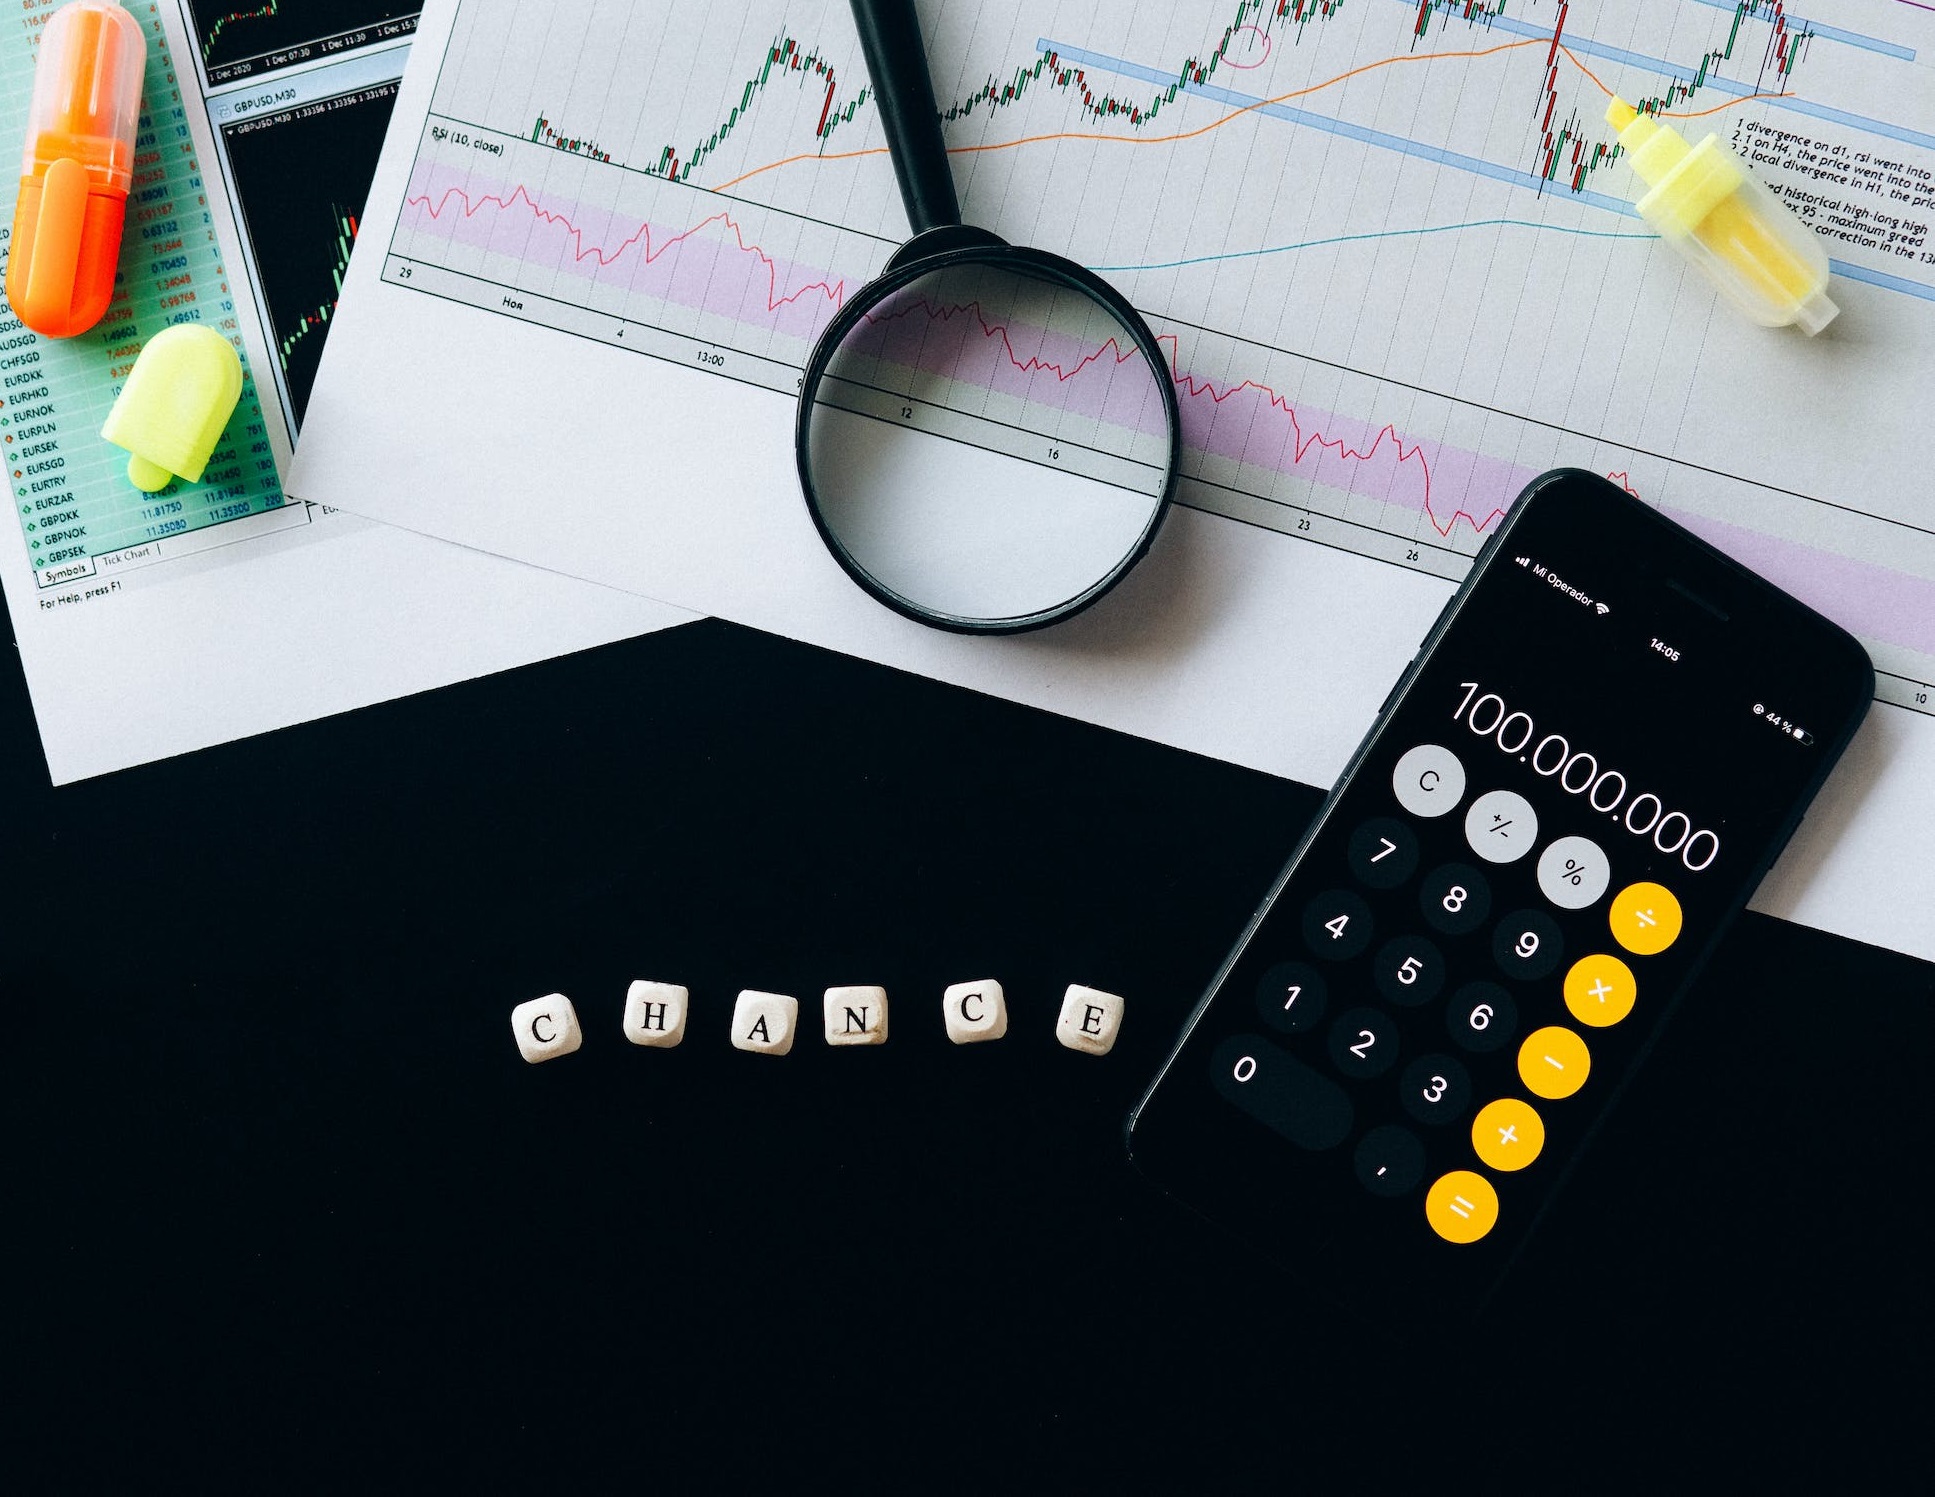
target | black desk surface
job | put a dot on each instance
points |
(285, 1207)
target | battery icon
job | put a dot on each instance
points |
(1803, 735)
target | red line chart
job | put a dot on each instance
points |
(1305, 437)
(834, 291)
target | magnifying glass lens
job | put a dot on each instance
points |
(986, 445)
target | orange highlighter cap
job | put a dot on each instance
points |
(79, 163)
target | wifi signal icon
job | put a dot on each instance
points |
(1603, 608)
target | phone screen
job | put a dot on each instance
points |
(1662, 704)
(1604, 745)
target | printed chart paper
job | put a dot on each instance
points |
(154, 624)
(1387, 246)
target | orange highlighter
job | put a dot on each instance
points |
(79, 164)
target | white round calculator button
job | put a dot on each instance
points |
(1429, 780)
(1501, 827)
(1573, 872)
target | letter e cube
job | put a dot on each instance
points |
(1090, 1020)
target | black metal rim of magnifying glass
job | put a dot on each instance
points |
(1050, 267)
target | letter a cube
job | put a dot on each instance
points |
(764, 1023)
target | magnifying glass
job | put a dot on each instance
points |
(988, 436)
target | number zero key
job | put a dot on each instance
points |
(1282, 1093)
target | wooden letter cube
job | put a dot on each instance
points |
(975, 1011)
(546, 1028)
(655, 1014)
(765, 1022)
(1090, 1020)
(856, 1016)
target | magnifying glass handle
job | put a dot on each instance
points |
(904, 94)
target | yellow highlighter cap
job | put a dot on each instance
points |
(1712, 210)
(1687, 182)
(175, 405)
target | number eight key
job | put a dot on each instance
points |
(1455, 899)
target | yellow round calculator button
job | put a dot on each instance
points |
(1461, 1206)
(1600, 990)
(1645, 918)
(1508, 1134)
(1553, 1062)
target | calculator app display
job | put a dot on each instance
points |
(1577, 784)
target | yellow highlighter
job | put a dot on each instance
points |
(177, 400)
(1707, 205)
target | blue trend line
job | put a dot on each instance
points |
(1479, 167)
(1832, 33)
(1883, 279)
(1839, 267)
(1281, 249)
(1827, 112)
(1361, 133)
(1681, 73)
(1512, 26)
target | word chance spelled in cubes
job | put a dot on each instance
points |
(768, 1023)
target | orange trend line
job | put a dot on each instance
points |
(1295, 93)
(1150, 140)
(1700, 114)
(1676, 114)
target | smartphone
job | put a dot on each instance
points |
(1603, 743)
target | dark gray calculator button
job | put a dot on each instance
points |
(1527, 945)
(1290, 996)
(1389, 1160)
(1383, 852)
(1455, 899)
(1363, 1043)
(1481, 1016)
(1435, 1089)
(1337, 925)
(1409, 971)
(1282, 1093)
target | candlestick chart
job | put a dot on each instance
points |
(317, 317)
(301, 176)
(239, 38)
(1387, 245)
